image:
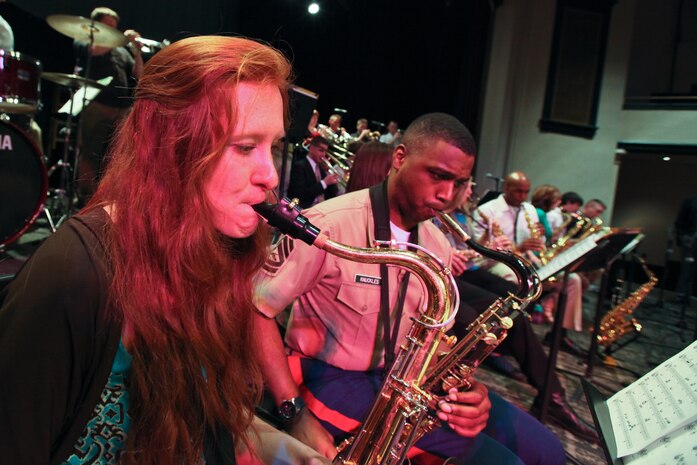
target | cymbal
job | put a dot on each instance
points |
(79, 28)
(71, 80)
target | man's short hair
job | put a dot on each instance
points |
(319, 140)
(571, 197)
(102, 11)
(599, 202)
(432, 126)
(363, 120)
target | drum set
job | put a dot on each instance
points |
(24, 172)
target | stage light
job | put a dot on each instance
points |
(313, 9)
(666, 158)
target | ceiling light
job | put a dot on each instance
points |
(313, 9)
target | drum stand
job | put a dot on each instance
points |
(66, 191)
(63, 195)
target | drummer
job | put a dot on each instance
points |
(101, 117)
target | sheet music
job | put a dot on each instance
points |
(570, 255)
(658, 404)
(676, 448)
(83, 94)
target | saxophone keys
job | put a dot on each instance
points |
(490, 339)
(507, 322)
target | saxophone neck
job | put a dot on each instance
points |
(529, 285)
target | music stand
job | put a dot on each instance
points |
(597, 404)
(607, 248)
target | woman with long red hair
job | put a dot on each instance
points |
(125, 338)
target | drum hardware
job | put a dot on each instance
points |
(94, 33)
(72, 81)
(87, 30)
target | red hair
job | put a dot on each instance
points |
(184, 291)
(370, 165)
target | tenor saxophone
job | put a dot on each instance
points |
(618, 322)
(405, 407)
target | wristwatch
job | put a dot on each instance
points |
(290, 409)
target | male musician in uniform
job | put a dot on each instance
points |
(349, 318)
(309, 181)
(513, 215)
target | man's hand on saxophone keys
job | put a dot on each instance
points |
(466, 412)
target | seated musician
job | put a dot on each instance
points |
(125, 337)
(309, 181)
(518, 221)
(338, 347)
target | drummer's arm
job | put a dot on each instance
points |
(137, 55)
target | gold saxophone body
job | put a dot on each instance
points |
(618, 322)
(535, 234)
(421, 374)
(574, 224)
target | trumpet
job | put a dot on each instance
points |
(151, 46)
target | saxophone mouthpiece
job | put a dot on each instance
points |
(285, 215)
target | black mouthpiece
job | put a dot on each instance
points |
(285, 215)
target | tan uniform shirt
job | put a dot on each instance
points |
(335, 315)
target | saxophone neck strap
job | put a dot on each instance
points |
(381, 220)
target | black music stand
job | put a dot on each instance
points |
(606, 251)
(597, 403)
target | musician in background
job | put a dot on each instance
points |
(514, 216)
(100, 118)
(392, 136)
(546, 200)
(593, 208)
(362, 133)
(338, 347)
(478, 290)
(309, 181)
(571, 202)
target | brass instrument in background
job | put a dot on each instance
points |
(618, 322)
(590, 227)
(337, 161)
(405, 407)
(493, 231)
(535, 234)
(577, 222)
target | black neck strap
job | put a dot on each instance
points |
(381, 219)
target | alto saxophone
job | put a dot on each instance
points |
(618, 322)
(535, 234)
(406, 405)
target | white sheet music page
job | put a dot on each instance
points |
(658, 404)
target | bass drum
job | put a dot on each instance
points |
(23, 183)
(20, 81)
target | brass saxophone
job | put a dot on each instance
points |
(563, 242)
(618, 322)
(405, 407)
(535, 234)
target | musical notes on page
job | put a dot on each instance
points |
(660, 403)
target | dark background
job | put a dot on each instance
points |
(381, 60)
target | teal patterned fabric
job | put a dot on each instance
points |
(105, 435)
